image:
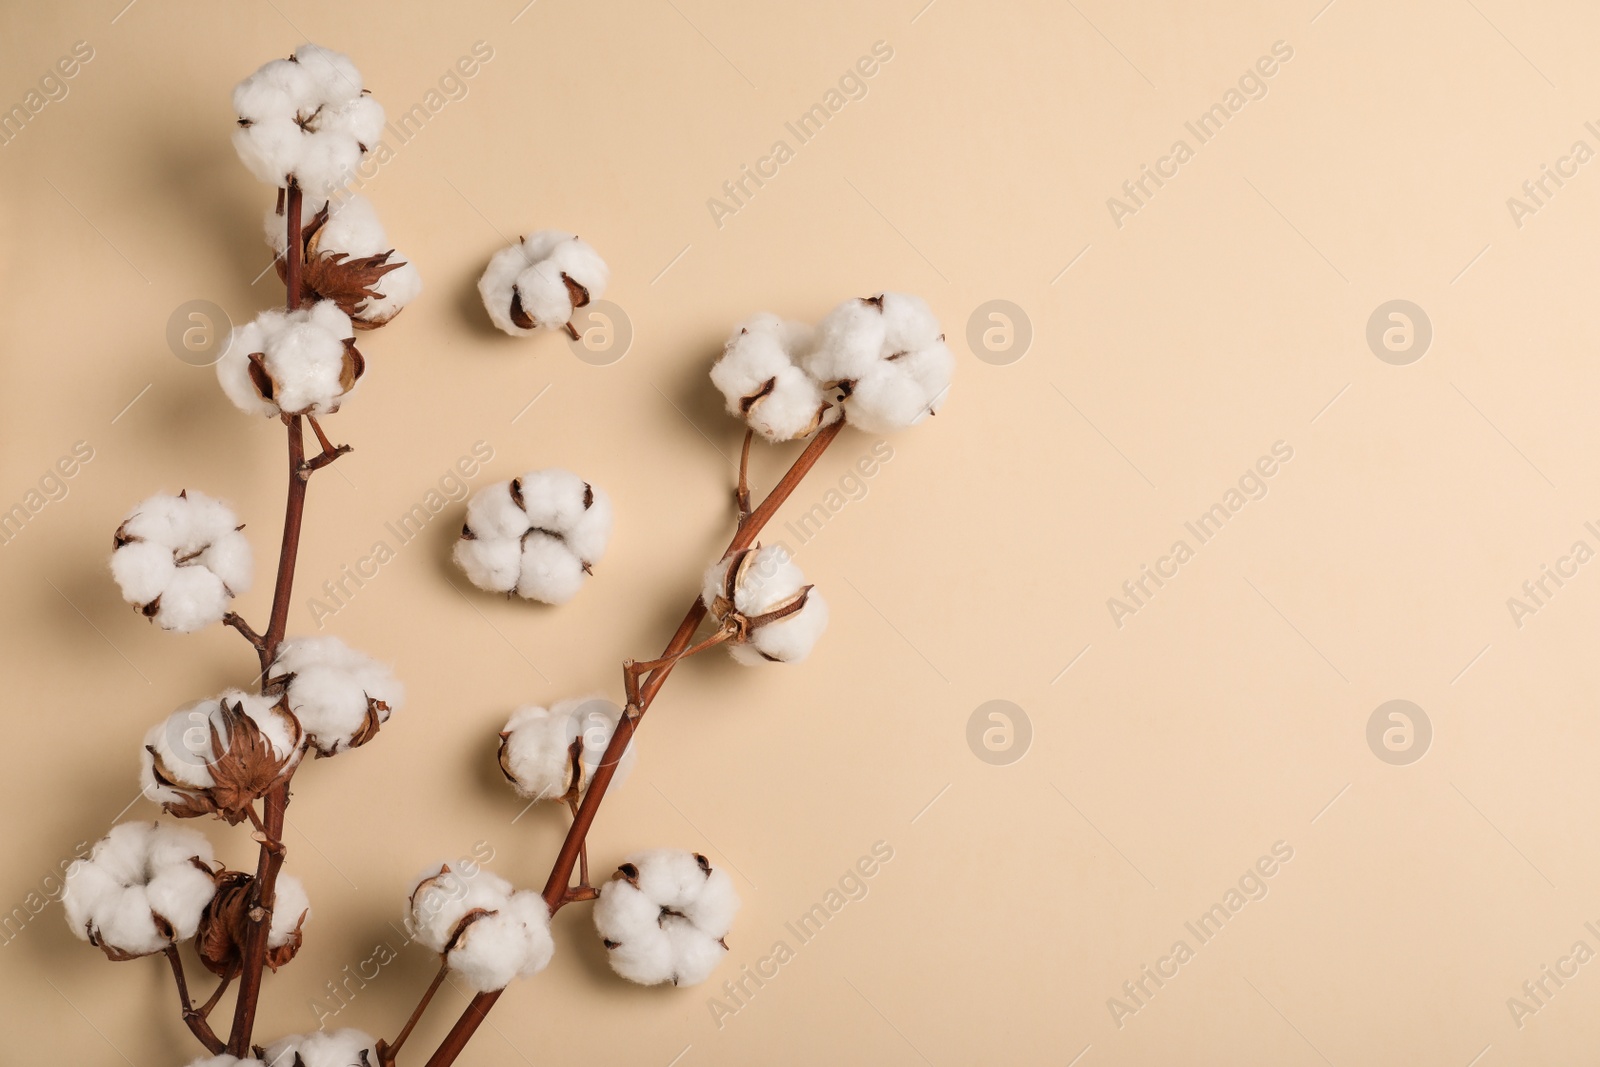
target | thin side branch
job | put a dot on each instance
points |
(194, 1020)
(235, 620)
(742, 494)
(386, 1051)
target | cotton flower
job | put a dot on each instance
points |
(538, 535)
(664, 917)
(761, 595)
(347, 258)
(140, 890)
(763, 383)
(487, 932)
(541, 281)
(217, 756)
(180, 559)
(887, 355)
(339, 695)
(226, 924)
(305, 119)
(291, 362)
(551, 754)
(324, 1048)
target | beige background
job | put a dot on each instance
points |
(1228, 714)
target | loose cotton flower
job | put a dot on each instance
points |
(541, 281)
(551, 754)
(760, 377)
(761, 596)
(140, 890)
(665, 917)
(217, 756)
(339, 695)
(488, 933)
(538, 535)
(180, 559)
(886, 354)
(305, 119)
(324, 1048)
(347, 258)
(300, 362)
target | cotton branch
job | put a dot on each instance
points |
(263, 888)
(558, 890)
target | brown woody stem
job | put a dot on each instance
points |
(557, 890)
(195, 1020)
(263, 889)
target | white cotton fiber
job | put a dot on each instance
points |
(180, 559)
(760, 378)
(440, 897)
(141, 889)
(301, 362)
(538, 535)
(290, 908)
(324, 1048)
(540, 281)
(352, 231)
(512, 942)
(887, 355)
(305, 119)
(536, 747)
(488, 933)
(180, 749)
(339, 695)
(664, 916)
(765, 582)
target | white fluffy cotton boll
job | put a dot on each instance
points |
(141, 889)
(291, 362)
(324, 1048)
(441, 897)
(762, 382)
(291, 908)
(887, 354)
(664, 917)
(538, 535)
(536, 747)
(340, 696)
(352, 231)
(512, 942)
(762, 592)
(541, 281)
(305, 118)
(900, 393)
(536, 752)
(180, 559)
(174, 762)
